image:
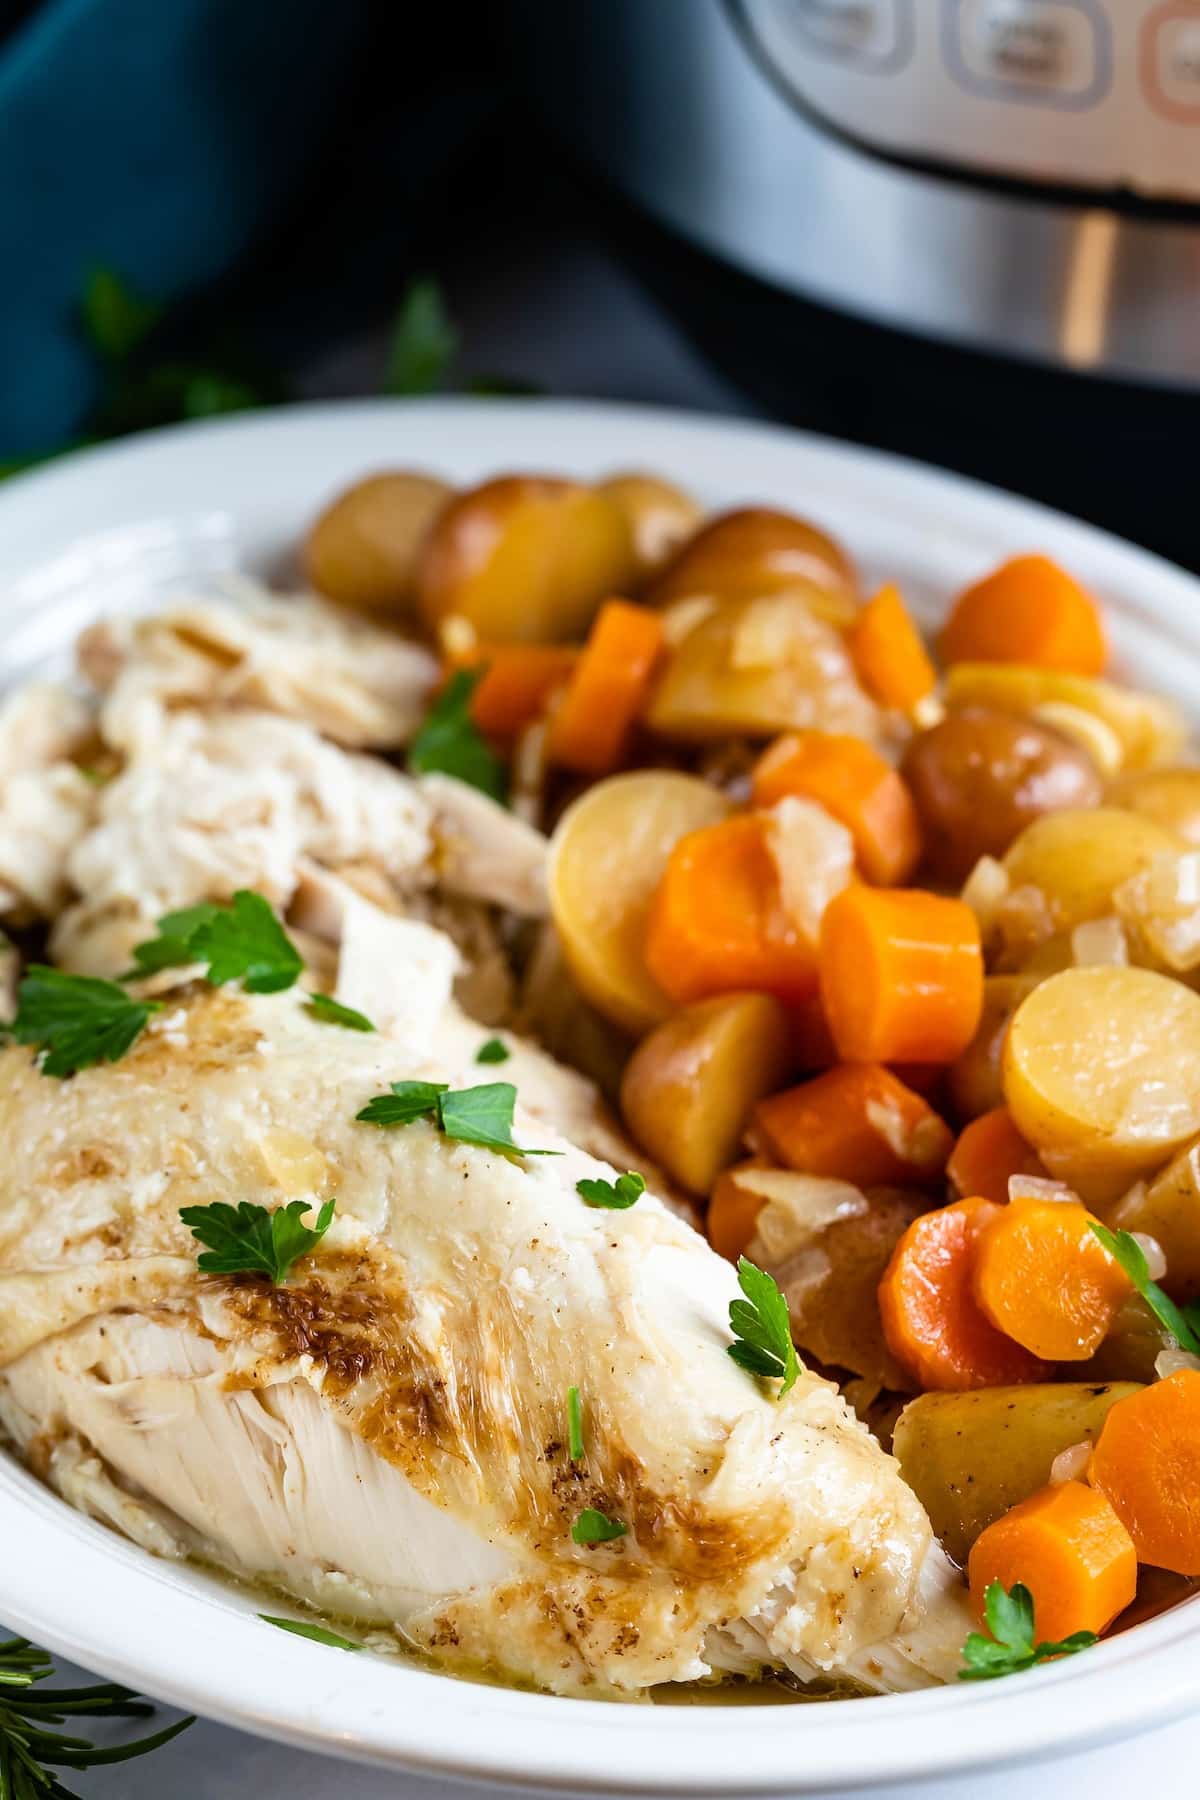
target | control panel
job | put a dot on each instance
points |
(1080, 93)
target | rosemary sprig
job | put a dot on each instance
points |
(31, 1749)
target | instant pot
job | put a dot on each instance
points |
(967, 229)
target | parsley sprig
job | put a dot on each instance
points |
(78, 1020)
(494, 1050)
(252, 1240)
(574, 1424)
(450, 743)
(239, 941)
(1183, 1322)
(594, 1527)
(31, 1749)
(616, 1196)
(1011, 1646)
(762, 1332)
(333, 1012)
(477, 1115)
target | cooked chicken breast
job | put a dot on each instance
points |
(385, 1434)
(46, 803)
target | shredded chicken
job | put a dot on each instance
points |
(46, 802)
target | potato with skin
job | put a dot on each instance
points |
(759, 550)
(1079, 857)
(362, 550)
(1150, 729)
(660, 517)
(981, 776)
(968, 1457)
(607, 856)
(974, 1078)
(1171, 797)
(757, 667)
(690, 1086)
(525, 559)
(1167, 1207)
(1134, 1342)
(1101, 1071)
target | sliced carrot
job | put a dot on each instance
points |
(1068, 1547)
(717, 922)
(889, 654)
(592, 723)
(1044, 1278)
(989, 1151)
(901, 975)
(733, 1212)
(1027, 611)
(517, 682)
(856, 1123)
(931, 1321)
(1147, 1463)
(851, 781)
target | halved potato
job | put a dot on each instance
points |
(1171, 797)
(607, 856)
(968, 1457)
(1101, 1072)
(525, 559)
(755, 667)
(1151, 729)
(1168, 1209)
(659, 515)
(1078, 858)
(759, 550)
(362, 550)
(691, 1085)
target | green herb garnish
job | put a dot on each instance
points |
(424, 342)
(317, 1633)
(251, 1240)
(592, 1527)
(78, 1020)
(31, 1749)
(1183, 1323)
(242, 941)
(574, 1424)
(615, 1195)
(494, 1051)
(1011, 1646)
(478, 1115)
(761, 1328)
(332, 1012)
(450, 743)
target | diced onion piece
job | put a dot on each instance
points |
(1040, 1187)
(683, 616)
(1152, 1250)
(1099, 941)
(1169, 1362)
(985, 890)
(1162, 904)
(1087, 729)
(797, 1207)
(814, 860)
(1071, 1464)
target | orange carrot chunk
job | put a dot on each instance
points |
(889, 656)
(1027, 611)
(856, 1123)
(901, 975)
(1147, 1463)
(931, 1321)
(733, 1212)
(592, 724)
(850, 780)
(1043, 1277)
(718, 923)
(516, 684)
(1069, 1548)
(990, 1150)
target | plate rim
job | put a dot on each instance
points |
(204, 1652)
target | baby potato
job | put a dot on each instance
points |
(974, 1078)
(754, 551)
(1131, 1347)
(1076, 858)
(607, 856)
(690, 1086)
(969, 1456)
(1101, 1071)
(362, 550)
(1168, 1208)
(1150, 729)
(756, 667)
(525, 559)
(1171, 797)
(659, 515)
(981, 776)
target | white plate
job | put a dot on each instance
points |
(127, 522)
